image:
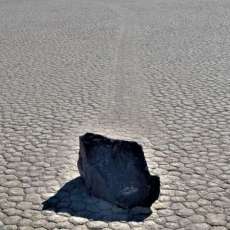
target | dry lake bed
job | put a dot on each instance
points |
(154, 71)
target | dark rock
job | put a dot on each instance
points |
(116, 171)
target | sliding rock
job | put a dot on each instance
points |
(116, 171)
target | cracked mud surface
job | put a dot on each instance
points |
(154, 71)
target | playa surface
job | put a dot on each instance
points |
(154, 71)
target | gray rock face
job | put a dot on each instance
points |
(116, 171)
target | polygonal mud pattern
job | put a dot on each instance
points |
(151, 68)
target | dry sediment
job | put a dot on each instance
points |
(154, 70)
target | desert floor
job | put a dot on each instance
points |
(155, 71)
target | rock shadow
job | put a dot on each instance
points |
(74, 199)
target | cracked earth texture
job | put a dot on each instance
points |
(154, 71)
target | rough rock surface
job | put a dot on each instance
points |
(116, 170)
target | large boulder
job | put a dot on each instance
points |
(116, 171)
